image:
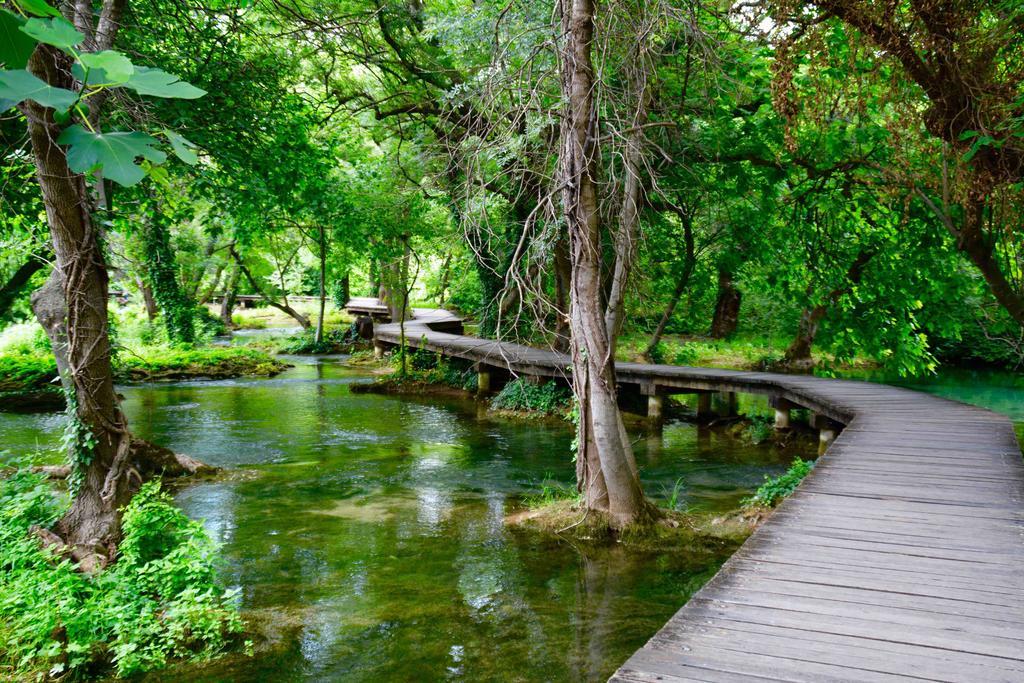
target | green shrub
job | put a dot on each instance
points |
(521, 394)
(760, 429)
(159, 602)
(208, 325)
(773, 490)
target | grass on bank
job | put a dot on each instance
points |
(27, 364)
(738, 352)
(160, 602)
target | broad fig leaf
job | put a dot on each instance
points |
(182, 147)
(15, 46)
(95, 76)
(113, 153)
(115, 67)
(18, 86)
(159, 83)
(39, 8)
(57, 31)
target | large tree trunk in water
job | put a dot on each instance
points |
(727, 307)
(227, 304)
(18, 280)
(606, 470)
(72, 308)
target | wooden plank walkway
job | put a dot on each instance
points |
(900, 557)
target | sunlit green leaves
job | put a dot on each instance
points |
(112, 153)
(38, 7)
(15, 46)
(114, 66)
(56, 31)
(159, 83)
(183, 149)
(19, 85)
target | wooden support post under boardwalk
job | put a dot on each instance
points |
(782, 411)
(827, 431)
(655, 404)
(378, 350)
(483, 379)
(730, 406)
(704, 406)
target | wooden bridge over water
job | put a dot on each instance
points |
(900, 557)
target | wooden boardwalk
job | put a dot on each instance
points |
(900, 557)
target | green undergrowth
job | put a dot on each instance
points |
(774, 489)
(27, 364)
(160, 602)
(523, 395)
(423, 370)
(183, 363)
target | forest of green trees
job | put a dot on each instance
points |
(785, 185)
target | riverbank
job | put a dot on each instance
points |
(28, 380)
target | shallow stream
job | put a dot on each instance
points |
(367, 534)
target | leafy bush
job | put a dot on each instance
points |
(521, 394)
(760, 429)
(209, 325)
(159, 602)
(429, 367)
(773, 490)
(668, 353)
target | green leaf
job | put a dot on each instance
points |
(115, 67)
(18, 86)
(182, 147)
(15, 46)
(57, 32)
(159, 83)
(40, 8)
(112, 153)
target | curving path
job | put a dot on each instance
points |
(900, 557)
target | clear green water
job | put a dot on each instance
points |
(367, 531)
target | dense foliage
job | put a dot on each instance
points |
(774, 489)
(161, 601)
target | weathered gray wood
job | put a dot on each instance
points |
(900, 557)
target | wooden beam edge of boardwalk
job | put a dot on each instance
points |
(900, 557)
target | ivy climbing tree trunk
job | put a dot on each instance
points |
(606, 470)
(108, 463)
(177, 307)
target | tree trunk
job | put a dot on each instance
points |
(606, 470)
(147, 299)
(108, 463)
(210, 291)
(18, 280)
(178, 308)
(727, 307)
(322, 240)
(284, 307)
(345, 289)
(689, 262)
(798, 353)
(227, 304)
(563, 277)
